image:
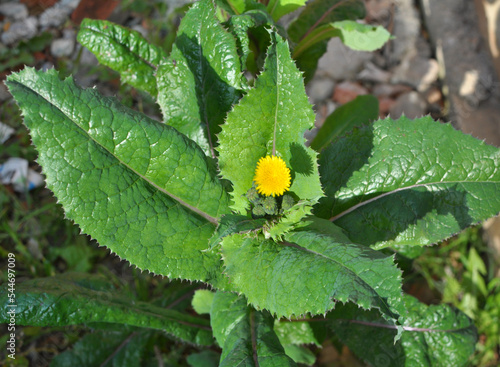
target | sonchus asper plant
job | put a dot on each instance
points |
(296, 244)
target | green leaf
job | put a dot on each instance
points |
(122, 176)
(357, 36)
(206, 358)
(300, 354)
(316, 266)
(290, 220)
(233, 7)
(201, 79)
(360, 111)
(71, 300)
(278, 8)
(125, 348)
(123, 50)
(408, 182)
(320, 12)
(433, 335)
(276, 127)
(231, 223)
(295, 332)
(315, 14)
(246, 335)
(240, 25)
(202, 301)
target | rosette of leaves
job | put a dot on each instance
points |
(170, 197)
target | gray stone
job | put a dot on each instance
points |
(406, 30)
(320, 89)
(340, 62)
(24, 29)
(55, 16)
(16, 11)
(372, 73)
(417, 71)
(62, 47)
(412, 105)
(467, 68)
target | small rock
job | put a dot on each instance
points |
(385, 104)
(62, 47)
(434, 96)
(347, 91)
(412, 105)
(390, 90)
(320, 89)
(372, 73)
(406, 30)
(24, 29)
(378, 10)
(340, 62)
(55, 16)
(13, 10)
(419, 72)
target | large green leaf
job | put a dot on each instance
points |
(123, 348)
(276, 127)
(278, 8)
(202, 78)
(318, 13)
(73, 299)
(316, 266)
(123, 50)
(408, 182)
(240, 25)
(358, 112)
(246, 335)
(357, 36)
(136, 185)
(433, 336)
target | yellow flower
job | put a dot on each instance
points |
(272, 176)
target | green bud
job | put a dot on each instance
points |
(253, 196)
(258, 211)
(288, 202)
(270, 205)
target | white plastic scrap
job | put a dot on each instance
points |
(15, 172)
(5, 132)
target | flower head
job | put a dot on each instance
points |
(272, 176)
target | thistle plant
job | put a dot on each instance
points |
(225, 192)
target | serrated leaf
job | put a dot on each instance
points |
(295, 332)
(202, 301)
(315, 14)
(275, 128)
(358, 112)
(246, 335)
(232, 223)
(278, 8)
(433, 335)
(124, 51)
(123, 177)
(290, 220)
(63, 300)
(124, 348)
(357, 36)
(201, 79)
(314, 268)
(410, 182)
(239, 25)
